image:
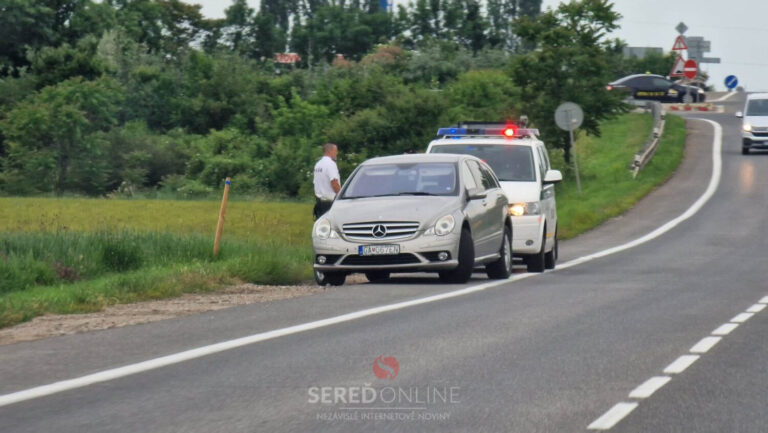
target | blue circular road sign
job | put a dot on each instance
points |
(731, 81)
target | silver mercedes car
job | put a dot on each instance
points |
(413, 213)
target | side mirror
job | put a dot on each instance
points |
(476, 194)
(553, 176)
(739, 114)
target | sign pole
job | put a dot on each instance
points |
(575, 158)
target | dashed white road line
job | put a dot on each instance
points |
(725, 329)
(705, 344)
(680, 364)
(649, 387)
(763, 301)
(621, 410)
(613, 416)
(742, 317)
(152, 364)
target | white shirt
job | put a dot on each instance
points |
(325, 172)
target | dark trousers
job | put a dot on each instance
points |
(321, 207)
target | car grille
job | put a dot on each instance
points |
(760, 134)
(375, 231)
(759, 129)
(399, 259)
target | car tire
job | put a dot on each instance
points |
(463, 272)
(550, 258)
(502, 268)
(686, 98)
(535, 262)
(377, 276)
(330, 278)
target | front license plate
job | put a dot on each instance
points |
(378, 250)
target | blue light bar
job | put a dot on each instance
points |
(452, 131)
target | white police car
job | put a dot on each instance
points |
(521, 163)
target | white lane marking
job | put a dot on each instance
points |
(681, 364)
(649, 387)
(705, 344)
(742, 317)
(613, 416)
(724, 97)
(714, 181)
(763, 301)
(199, 352)
(725, 329)
(756, 308)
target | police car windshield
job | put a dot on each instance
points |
(757, 107)
(510, 162)
(378, 180)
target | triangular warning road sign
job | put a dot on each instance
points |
(677, 69)
(680, 44)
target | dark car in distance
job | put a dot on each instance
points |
(651, 87)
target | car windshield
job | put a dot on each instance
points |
(378, 180)
(757, 107)
(511, 163)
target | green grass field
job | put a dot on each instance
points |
(79, 255)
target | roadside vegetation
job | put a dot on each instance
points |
(79, 255)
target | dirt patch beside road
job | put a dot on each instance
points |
(131, 314)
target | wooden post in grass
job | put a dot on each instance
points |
(222, 213)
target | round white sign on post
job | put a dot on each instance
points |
(569, 116)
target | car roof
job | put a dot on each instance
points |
(629, 77)
(527, 141)
(757, 96)
(415, 158)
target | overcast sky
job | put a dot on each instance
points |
(738, 30)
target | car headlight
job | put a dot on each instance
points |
(323, 229)
(520, 209)
(747, 127)
(442, 227)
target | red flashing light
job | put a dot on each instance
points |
(510, 132)
(609, 88)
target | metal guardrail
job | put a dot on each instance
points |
(652, 143)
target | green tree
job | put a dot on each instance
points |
(571, 62)
(49, 136)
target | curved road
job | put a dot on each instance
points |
(668, 336)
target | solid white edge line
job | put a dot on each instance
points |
(742, 317)
(756, 308)
(725, 329)
(613, 416)
(705, 344)
(176, 358)
(724, 97)
(649, 387)
(680, 364)
(763, 301)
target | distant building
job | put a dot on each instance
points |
(640, 52)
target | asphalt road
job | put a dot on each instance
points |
(556, 352)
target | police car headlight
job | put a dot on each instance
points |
(520, 209)
(747, 127)
(445, 225)
(323, 229)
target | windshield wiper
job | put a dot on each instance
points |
(416, 193)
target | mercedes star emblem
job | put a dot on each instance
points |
(379, 231)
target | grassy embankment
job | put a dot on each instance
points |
(79, 255)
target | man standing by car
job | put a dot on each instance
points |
(327, 180)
